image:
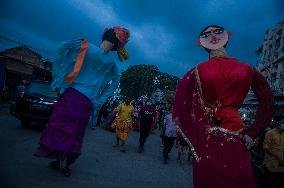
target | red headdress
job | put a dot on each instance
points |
(122, 35)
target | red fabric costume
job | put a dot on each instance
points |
(143, 116)
(214, 90)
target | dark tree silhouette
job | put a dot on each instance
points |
(144, 79)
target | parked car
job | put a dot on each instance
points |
(35, 105)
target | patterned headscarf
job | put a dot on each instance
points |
(122, 35)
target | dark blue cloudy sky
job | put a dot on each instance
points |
(163, 32)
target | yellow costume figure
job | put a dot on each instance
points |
(123, 122)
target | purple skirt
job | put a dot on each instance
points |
(63, 137)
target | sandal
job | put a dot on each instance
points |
(66, 172)
(121, 149)
(140, 150)
(55, 165)
(115, 145)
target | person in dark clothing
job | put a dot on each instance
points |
(102, 113)
(147, 118)
(169, 136)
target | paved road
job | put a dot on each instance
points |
(100, 165)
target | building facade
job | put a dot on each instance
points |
(22, 63)
(271, 58)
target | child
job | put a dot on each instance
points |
(183, 149)
(123, 122)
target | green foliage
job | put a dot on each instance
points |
(169, 97)
(168, 82)
(138, 80)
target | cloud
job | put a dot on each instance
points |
(152, 40)
(24, 35)
(99, 12)
(163, 32)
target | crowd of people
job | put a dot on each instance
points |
(144, 116)
(203, 120)
(146, 122)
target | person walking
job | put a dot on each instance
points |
(122, 123)
(169, 136)
(103, 113)
(147, 119)
(161, 114)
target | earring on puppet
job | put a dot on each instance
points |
(229, 33)
(198, 42)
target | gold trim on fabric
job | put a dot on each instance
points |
(226, 131)
(207, 108)
(210, 110)
(197, 158)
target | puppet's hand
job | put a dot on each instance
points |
(248, 141)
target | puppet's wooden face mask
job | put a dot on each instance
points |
(214, 38)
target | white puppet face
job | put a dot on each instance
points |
(214, 38)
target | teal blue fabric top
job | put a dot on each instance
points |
(99, 74)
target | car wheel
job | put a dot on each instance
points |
(25, 122)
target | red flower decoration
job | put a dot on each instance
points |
(122, 35)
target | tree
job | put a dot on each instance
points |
(143, 79)
(168, 82)
(137, 80)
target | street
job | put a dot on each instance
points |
(100, 165)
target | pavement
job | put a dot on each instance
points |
(100, 165)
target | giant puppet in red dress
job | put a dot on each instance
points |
(206, 113)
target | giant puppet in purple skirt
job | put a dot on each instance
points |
(65, 131)
(86, 75)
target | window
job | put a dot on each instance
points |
(41, 89)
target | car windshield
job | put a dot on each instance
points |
(41, 88)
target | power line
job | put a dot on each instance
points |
(23, 44)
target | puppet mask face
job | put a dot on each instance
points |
(214, 38)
